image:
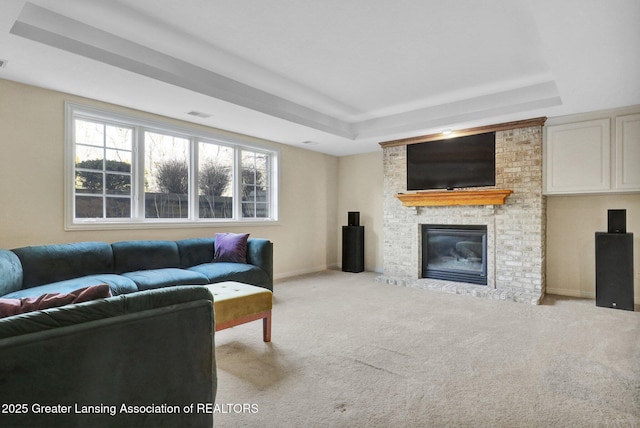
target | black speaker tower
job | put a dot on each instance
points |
(614, 264)
(353, 244)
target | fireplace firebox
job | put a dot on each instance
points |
(455, 253)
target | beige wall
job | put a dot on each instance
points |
(360, 189)
(316, 192)
(32, 187)
(572, 222)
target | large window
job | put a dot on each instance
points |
(123, 171)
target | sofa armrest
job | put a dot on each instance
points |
(260, 253)
(10, 272)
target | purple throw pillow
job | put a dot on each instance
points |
(23, 305)
(230, 247)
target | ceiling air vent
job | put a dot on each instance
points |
(198, 114)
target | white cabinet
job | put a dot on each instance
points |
(628, 152)
(588, 156)
(577, 157)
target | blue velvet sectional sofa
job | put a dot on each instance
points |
(128, 266)
(135, 360)
(116, 361)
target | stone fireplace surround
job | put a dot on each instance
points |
(515, 230)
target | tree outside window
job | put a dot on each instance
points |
(166, 176)
(215, 181)
(255, 188)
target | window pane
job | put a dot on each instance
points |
(262, 210)
(89, 157)
(118, 207)
(166, 176)
(262, 195)
(91, 133)
(89, 182)
(101, 170)
(118, 184)
(119, 137)
(255, 184)
(89, 207)
(215, 181)
(248, 209)
(118, 160)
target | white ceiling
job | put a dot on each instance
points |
(341, 74)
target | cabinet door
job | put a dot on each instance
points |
(628, 152)
(577, 157)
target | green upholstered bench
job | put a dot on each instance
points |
(236, 303)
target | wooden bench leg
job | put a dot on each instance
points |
(266, 327)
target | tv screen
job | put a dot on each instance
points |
(457, 162)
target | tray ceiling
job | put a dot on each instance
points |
(343, 75)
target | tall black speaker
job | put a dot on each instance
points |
(614, 270)
(352, 248)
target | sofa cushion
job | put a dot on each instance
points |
(10, 272)
(117, 283)
(156, 278)
(45, 264)
(10, 307)
(131, 256)
(231, 247)
(195, 251)
(240, 272)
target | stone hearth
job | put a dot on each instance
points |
(515, 230)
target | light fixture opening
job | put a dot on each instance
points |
(198, 114)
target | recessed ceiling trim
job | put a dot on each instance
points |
(44, 26)
(53, 29)
(537, 121)
(531, 97)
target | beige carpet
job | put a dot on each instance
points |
(350, 352)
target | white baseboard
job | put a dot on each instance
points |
(332, 266)
(571, 293)
(293, 273)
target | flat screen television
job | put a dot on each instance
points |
(468, 161)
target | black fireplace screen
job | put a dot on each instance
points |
(455, 253)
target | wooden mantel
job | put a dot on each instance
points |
(454, 197)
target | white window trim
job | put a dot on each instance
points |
(237, 142)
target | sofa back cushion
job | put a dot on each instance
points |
(44, 264)
(130, 256)
(10, 272)
(195, 251)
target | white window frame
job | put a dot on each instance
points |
(137, 220)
